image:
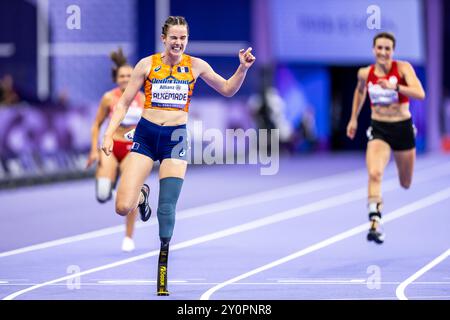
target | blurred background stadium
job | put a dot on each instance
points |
(55, 66)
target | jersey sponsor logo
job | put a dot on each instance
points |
(157, 68)
(182, 153)
(167, 87)
(170, 80)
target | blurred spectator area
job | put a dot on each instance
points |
(42, 143)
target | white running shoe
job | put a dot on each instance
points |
(127, 244)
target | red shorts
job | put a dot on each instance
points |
(121, 149)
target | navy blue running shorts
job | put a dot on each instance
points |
(160, 142)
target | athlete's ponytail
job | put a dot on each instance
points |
(119, 60)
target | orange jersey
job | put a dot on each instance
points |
(134, 111)
(169, 88)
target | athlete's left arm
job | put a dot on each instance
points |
(229, 87)
(413, 88)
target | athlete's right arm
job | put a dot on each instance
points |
(358, 100)
(102, 114)
(138, 76)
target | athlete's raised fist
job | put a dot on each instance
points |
(246, 57)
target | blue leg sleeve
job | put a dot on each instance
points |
(169, 191)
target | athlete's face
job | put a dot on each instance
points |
(176, 40)
(383, 50)
(123, 76)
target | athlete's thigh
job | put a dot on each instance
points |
(172, 168)
(378, 154)
(405, 163)
(124, 162)
(135, 168)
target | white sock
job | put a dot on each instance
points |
(373, 207)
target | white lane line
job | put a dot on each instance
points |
(308, 187)
(413, 207)
(430, 297)
(400, 291)
(393, 298)
(322, 281)
(330, 202)
(180, 282)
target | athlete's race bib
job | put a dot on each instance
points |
(170, 95)
(381, 96)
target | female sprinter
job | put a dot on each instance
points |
(390, 84)
(109, 167)
(161, 135)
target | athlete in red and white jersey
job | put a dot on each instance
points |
(390, 85)
(108, 168)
